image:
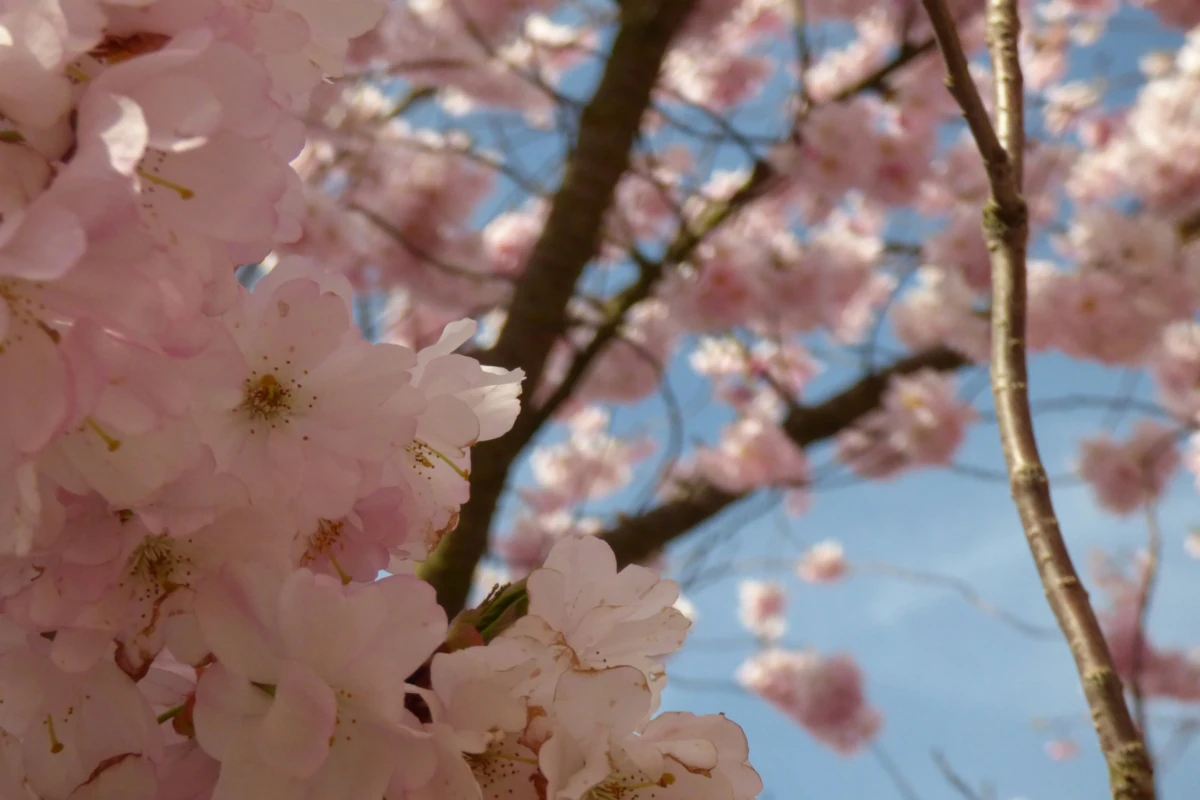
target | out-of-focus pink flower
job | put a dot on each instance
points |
(921, 423)
(762, 609)
(824, 562)
(824, 695)
(1126, 475)
(1062, 749)
(1176, 369)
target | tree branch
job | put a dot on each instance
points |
(608, 127)
(537, 316)
(637, 539)
(1006, 229)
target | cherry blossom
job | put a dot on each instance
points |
(762, 609)
(1062, 749)
(307, 697)
(1158, 672)
(224, 510)
(824, 695)
(824, 562)
(1126, 476)
(584, 613)
(921, 421)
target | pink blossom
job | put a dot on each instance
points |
(762, 608)
(1176, 369)
(1126, 475)
(1158, 672)
(73, 724)
(722, 294)
(823, 695)
(824, 562)
(921, 423)
(533, 536)
(1062, 749)
(630, 368)
(1192, 544)
(590, 464)
(756, 452)
(942, 310)
(333, 661)
(680, 755)
(317, 405)
(583, 613)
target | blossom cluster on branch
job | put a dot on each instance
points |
(200, 484)
(779, 217)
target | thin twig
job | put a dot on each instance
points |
(966, 592)
(892, 769)
(1006, 229)
(955, 780)
(1177, 745)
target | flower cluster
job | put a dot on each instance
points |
(1155, 671)
(564, 698)
(200, 484)
(921, 421)
(824, 695)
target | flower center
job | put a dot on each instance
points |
(266, 398)
(154, 561)
(25, 311)
(115, 49)
(500, 764)
(616, 788)
(322, 543)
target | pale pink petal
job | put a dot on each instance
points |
(237, 612)
(294, 737)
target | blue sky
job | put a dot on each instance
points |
(945, 676)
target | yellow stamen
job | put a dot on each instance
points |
(341, 572)
(518, 759)
(113, 444)
(182, 191)
(462, 473)
(55, 745)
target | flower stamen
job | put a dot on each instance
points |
(424, 461)
(112, 443)
(55, 745)
(266, 398)
(184, 192)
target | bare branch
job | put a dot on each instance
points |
(636, 539)
(894, 773)
(1006, 229)
(955, 780)
(967, 593)
(877, 81)
(537, 316)
(608, 127)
